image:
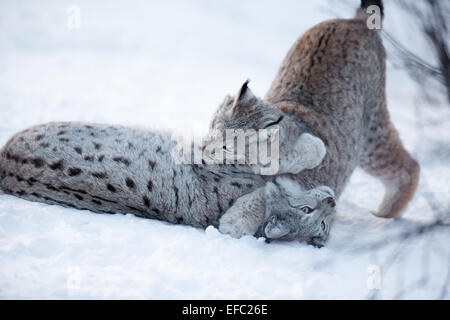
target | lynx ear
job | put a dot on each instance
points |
(244, 95)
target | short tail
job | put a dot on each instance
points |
(367, 3)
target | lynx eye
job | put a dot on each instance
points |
(323, 226)
(273, 123)
(307, 209)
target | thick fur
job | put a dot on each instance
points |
(334, 79)
(282, 210)
(114, 169)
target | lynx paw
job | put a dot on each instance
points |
(233, 227)
(312, 150)
(308, 152)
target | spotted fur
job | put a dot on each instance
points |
(115, 169)
(334, 80)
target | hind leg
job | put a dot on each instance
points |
(385, 157)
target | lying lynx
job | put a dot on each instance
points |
(289, 213)
(334, 79)
(113, 169)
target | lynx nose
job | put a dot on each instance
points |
(330, 201)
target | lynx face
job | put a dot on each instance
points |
(295, 149)
(296, 214)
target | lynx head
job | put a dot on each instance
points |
(285, 137)
(293, 213)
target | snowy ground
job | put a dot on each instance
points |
(168, 65)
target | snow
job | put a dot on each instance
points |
(168, 65)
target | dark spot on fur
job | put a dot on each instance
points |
(78, 150)
(50, 187)
(89, 158)
(44, 145)
(74, 190)
(175, 189)
(146, 201)
(103, 199)
(101, 157)
(54, 149)
(130, 145)
(96, 202)
(39, 137)
(15, 158)
(63, 139)
(88, 127)
(8, 156)
(92, 134)
(100, 175)
(61, 133)
(37, 195)
(24, 161)
(130, 183)
(21, 192)
(219, 206)
(11, 174)
(19, 178)
(230, 203)
(180, 220)
(31, 181)
(150, 185)
(78, 196)
(133, 208)
(56, 165)
(97, 146)
(216, 179)
(110, 187)
(155, 210)
(122, 160)
(249, 185)
(73, 171)
(37, 162)
(158, 149)
(152, 164)
(236, 184)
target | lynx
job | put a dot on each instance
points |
(334, 79)
(114, 169)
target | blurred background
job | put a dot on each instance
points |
(167, 65)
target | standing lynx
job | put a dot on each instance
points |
(334, 79)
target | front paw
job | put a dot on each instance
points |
(317, 242)
(230, 229)
(234, 227)
(310, 150)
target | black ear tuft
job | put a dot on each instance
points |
(367, 3)
(243, 95)
(244, 89)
